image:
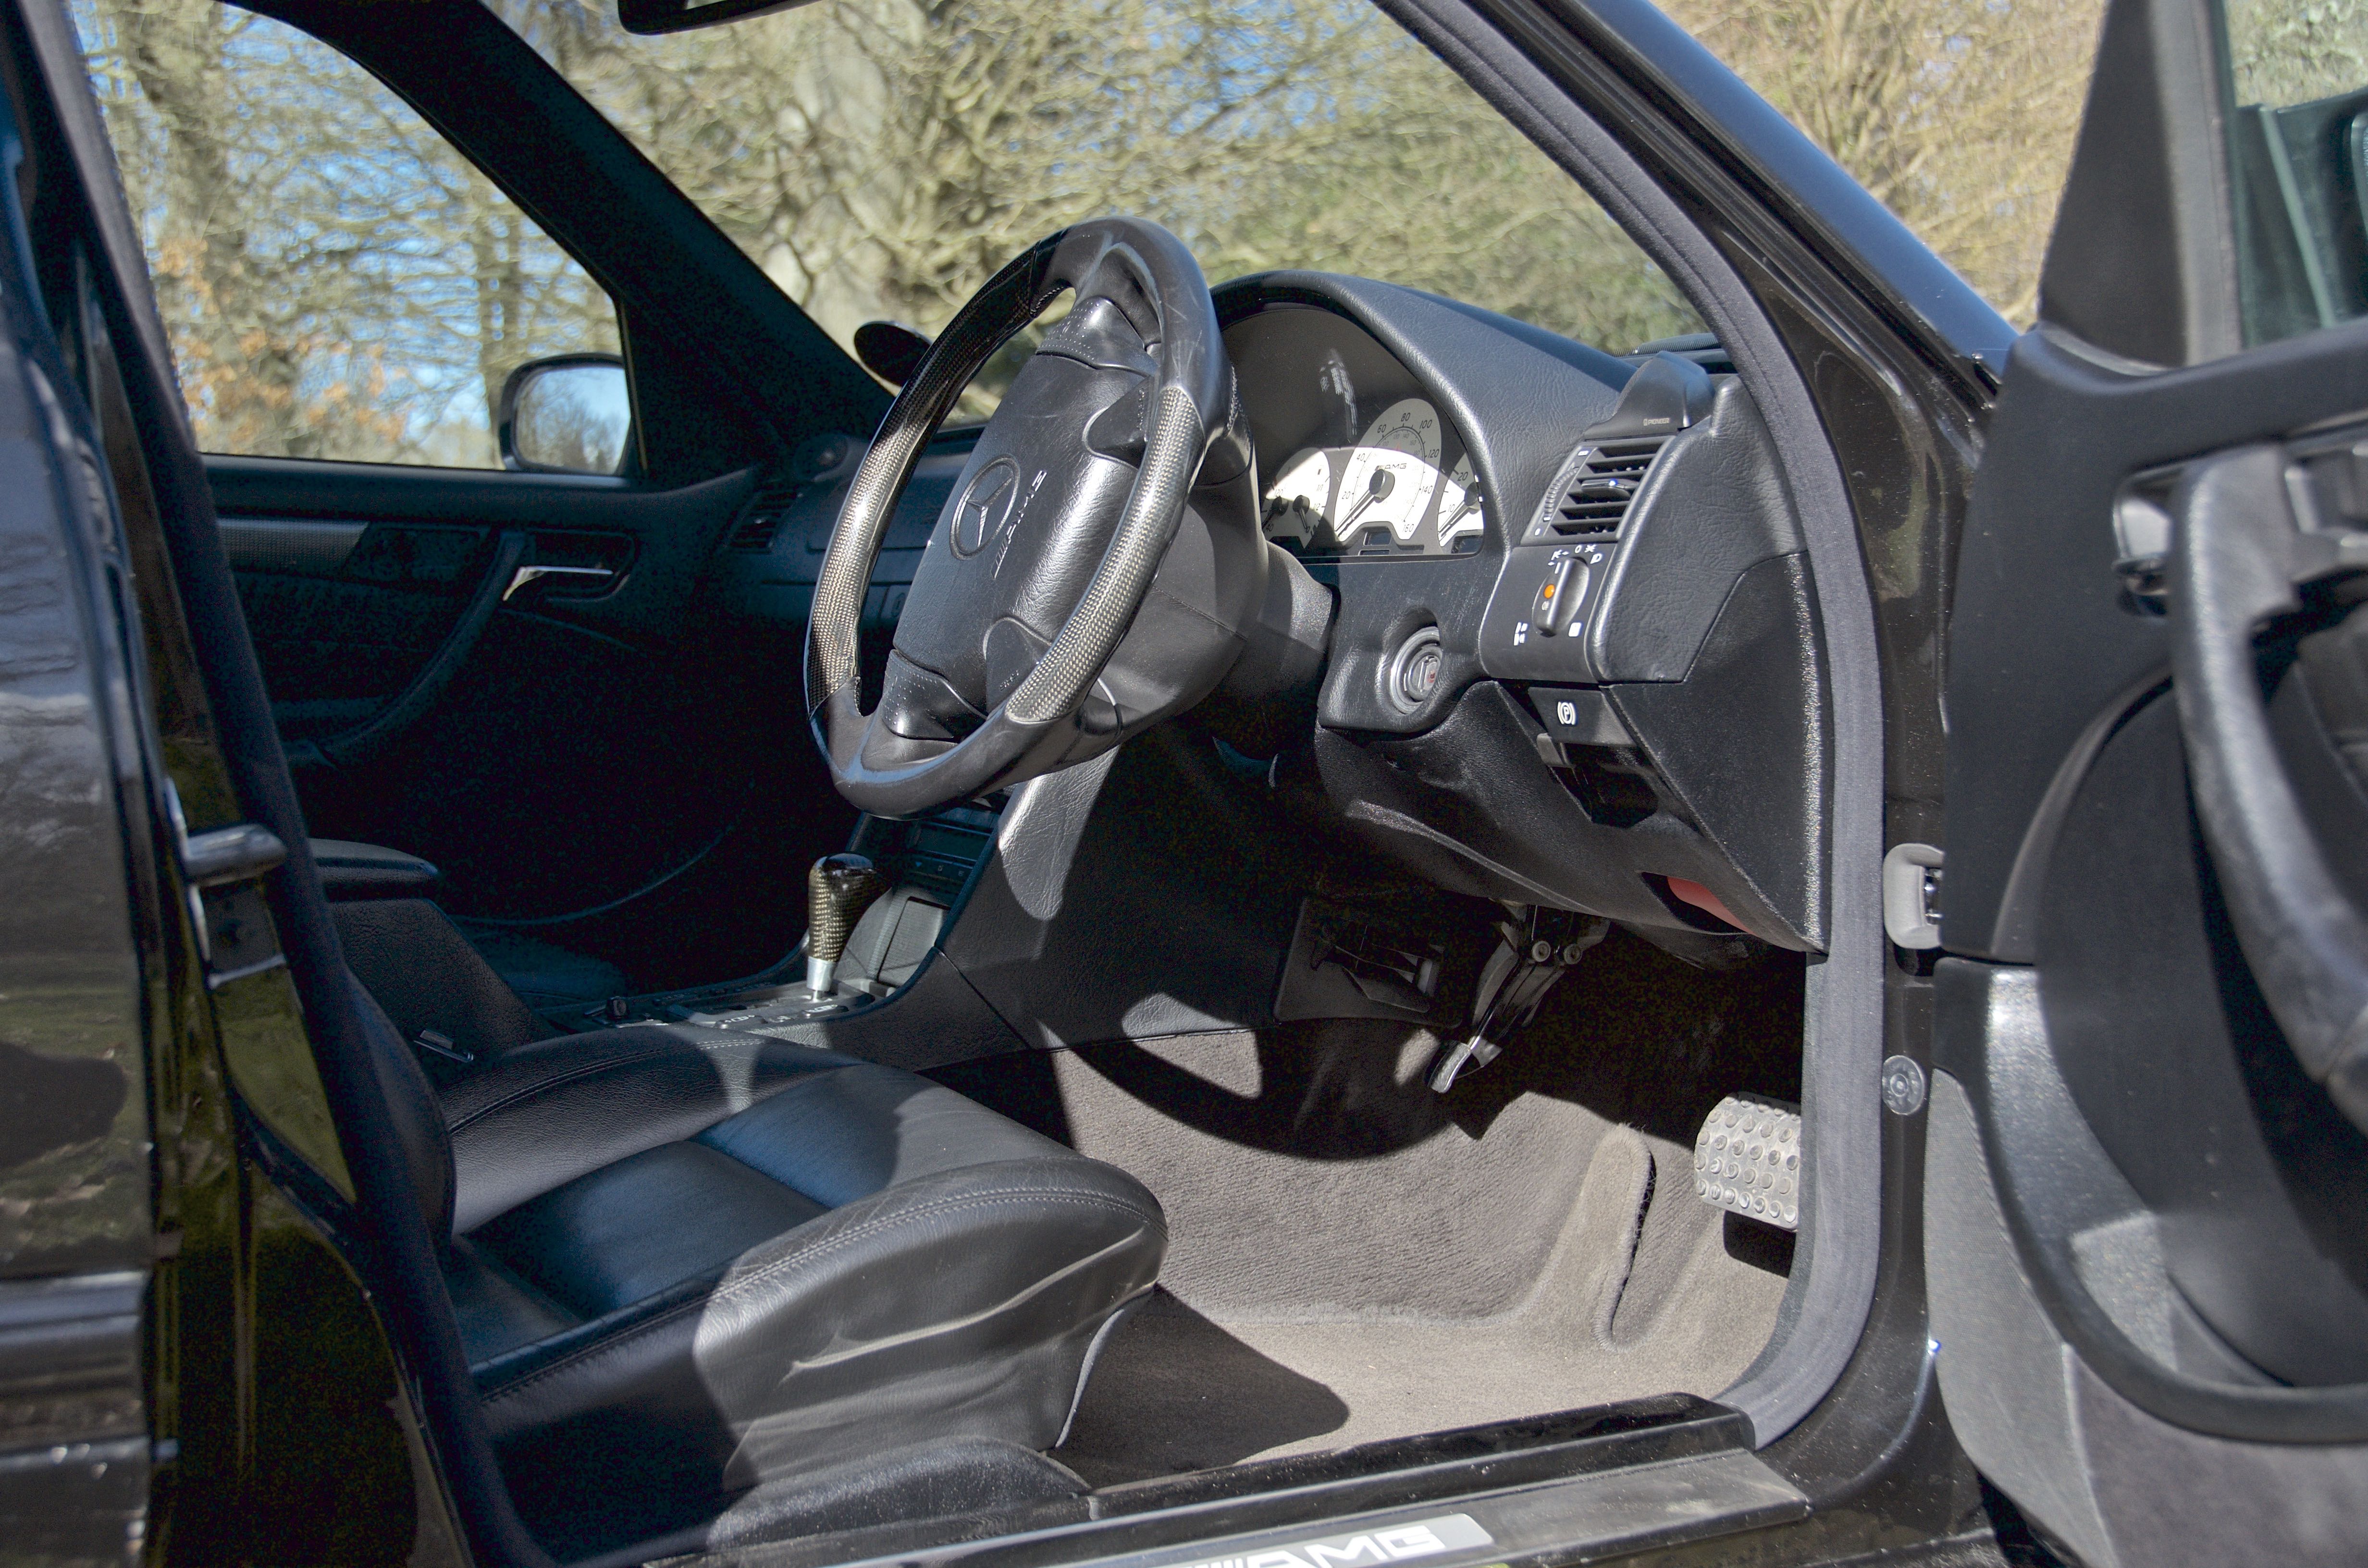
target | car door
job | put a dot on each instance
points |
(508, 670)
(2146, 1171)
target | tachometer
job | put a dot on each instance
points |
(1391, 475)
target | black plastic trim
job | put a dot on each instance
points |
(1155, 1520)
(2039, 606)
(1825, 1307)
(2055, 1180)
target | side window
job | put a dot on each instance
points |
(337, 281)
(1958, 115)
(2299, 150)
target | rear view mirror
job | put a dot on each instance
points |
(890, 350)
(653, 16)
(570, 413)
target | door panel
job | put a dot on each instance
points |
(598, 737)
(2144, 1198)
(345, 616)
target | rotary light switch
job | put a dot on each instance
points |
(1566, 586)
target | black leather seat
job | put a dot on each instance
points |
(685, 1261)
(402, 945)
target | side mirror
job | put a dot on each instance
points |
(890, 350)
(569, 414)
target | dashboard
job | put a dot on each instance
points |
(1575, 659)
(1355, 457)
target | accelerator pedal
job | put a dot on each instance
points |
(1748, 1159)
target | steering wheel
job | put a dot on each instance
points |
(1100, 562)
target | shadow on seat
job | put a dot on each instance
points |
(686, 1263)
(429, 972)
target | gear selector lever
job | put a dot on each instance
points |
(838, 890)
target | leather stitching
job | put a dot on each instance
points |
(590, 1069)
(739, 1286)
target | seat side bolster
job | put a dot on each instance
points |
(412, 1110)
(958, 1302)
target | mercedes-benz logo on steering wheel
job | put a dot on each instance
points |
(986, 506)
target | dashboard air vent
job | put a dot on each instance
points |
(754, 532)
(1598, 496)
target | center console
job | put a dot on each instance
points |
(929, 865)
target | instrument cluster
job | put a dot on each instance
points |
(1387, 494)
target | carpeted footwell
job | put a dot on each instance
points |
(1355, 1257)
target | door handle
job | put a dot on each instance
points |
(2237, 560)
(525, 575)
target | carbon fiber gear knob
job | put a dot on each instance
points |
(838, 890)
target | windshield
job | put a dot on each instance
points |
(880, 158)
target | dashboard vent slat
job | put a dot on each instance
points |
(1596, 499)
(761, 523)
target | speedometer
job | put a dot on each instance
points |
(1391, 475)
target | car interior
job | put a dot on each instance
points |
(1261, 899)
(1234, 965)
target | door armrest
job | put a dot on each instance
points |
(350, 870)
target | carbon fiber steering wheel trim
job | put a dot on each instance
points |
(1011, 299)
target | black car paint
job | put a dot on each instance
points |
(230, 1276)
(75, 1236)
(1871, 1459)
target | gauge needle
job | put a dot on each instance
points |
(1384, 481)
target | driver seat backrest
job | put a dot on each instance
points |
(685, 1261)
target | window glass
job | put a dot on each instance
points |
(881, 158)
(2285, 52)
(2298, 143)
(337, 282)
(1959, 115)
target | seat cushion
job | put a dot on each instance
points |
(741, 1258)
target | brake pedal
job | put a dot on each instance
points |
(1748, 1159)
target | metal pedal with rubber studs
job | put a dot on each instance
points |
(1748, 1159)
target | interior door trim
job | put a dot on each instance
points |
(289, 545)
(2055, 1181)
(387, 725)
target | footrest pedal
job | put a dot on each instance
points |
(1748, 1159)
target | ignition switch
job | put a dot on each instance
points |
(1415, 672)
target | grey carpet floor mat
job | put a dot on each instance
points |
(1355, 1258)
